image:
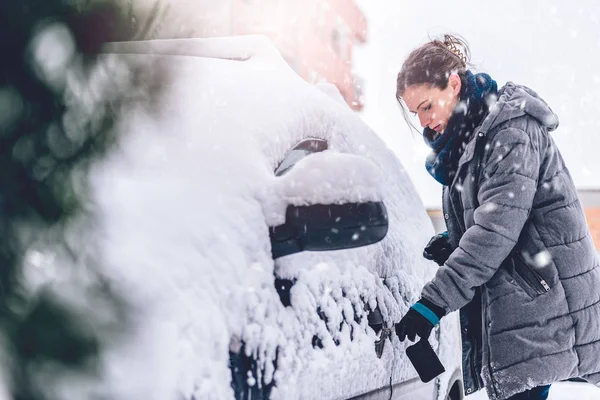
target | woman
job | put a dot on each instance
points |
(521, 265)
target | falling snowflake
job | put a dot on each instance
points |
(542, 259)
(251, 380)
(489, 207)
(491, 100)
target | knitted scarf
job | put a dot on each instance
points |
(469, 112)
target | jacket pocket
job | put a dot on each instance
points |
(529, 276)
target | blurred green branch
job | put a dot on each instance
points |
(43, 139)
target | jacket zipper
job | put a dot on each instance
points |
(473, 355)
(532, 277)
(474, 352)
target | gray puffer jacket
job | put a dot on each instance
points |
(524, 270)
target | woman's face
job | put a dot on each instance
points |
(433, 106)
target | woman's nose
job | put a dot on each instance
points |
(424, 120)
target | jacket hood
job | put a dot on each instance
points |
(515, 101)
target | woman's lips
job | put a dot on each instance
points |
(437, 128)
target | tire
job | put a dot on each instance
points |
(455, 392)
(455, 389)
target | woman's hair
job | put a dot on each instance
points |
(431, 64)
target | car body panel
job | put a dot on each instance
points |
(203, 166)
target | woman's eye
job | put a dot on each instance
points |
(427, 108)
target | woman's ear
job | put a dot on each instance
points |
(454, 83)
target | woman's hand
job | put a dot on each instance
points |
(419, 320)
(438, 249)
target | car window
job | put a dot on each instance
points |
(301, 150)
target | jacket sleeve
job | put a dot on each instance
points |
(505, 196)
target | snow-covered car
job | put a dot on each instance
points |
(272, 239)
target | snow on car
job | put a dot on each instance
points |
(210, 221)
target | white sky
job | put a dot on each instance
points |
(551, 46)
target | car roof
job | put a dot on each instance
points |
(238, 48)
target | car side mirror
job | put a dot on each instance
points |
(323, 227)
